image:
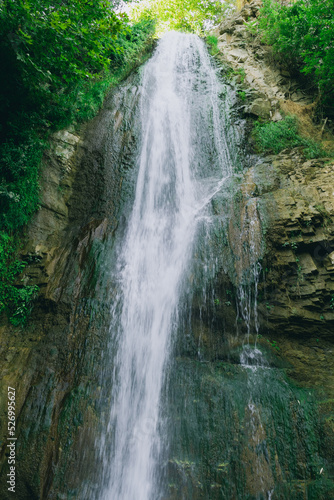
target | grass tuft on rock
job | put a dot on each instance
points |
(274, 137)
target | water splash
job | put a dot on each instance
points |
(182, 132)
(248, 267)
(252, 358)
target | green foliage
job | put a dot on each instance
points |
(242, 95)
(53, 52)
(57, 43)
(16, 300)
(212, 41)
(302, 33)
(273, 343)
(194, 16)
(19, 195)
(331, 303)
(133, 41)
(239, 75)
(82, 100)
(252, 26)
(59, 59)
(19, 190)
(276, 136)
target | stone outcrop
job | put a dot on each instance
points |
(283, 212)
(294, 199)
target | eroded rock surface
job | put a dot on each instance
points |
(293, 197)
(53, 363)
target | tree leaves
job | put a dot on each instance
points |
(46, 35)
(303, 34)
(183, 15)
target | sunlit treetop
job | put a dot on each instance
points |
(195, 16)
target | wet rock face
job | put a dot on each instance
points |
(240, 433)
(296, 206)
(244, 432)
(295, 300)
(295, 214)
(291, 203)
(51, 362)
(293, 200)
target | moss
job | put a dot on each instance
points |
(212, 41)
(242, 430)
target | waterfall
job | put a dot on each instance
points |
(183, 161)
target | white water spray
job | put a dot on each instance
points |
(180, 87)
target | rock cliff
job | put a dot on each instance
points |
(293, 196)
(289, 200)
(50, 363)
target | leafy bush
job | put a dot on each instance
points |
(276, 136)
(302, 33)
(19, 190)
(57, 43)
(16, 300)
(82, 100)
(52, 51)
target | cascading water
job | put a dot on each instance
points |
(183, 161)
(252, 359)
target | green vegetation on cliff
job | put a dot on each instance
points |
(276, 136)
(59, 60)
(302, 36)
